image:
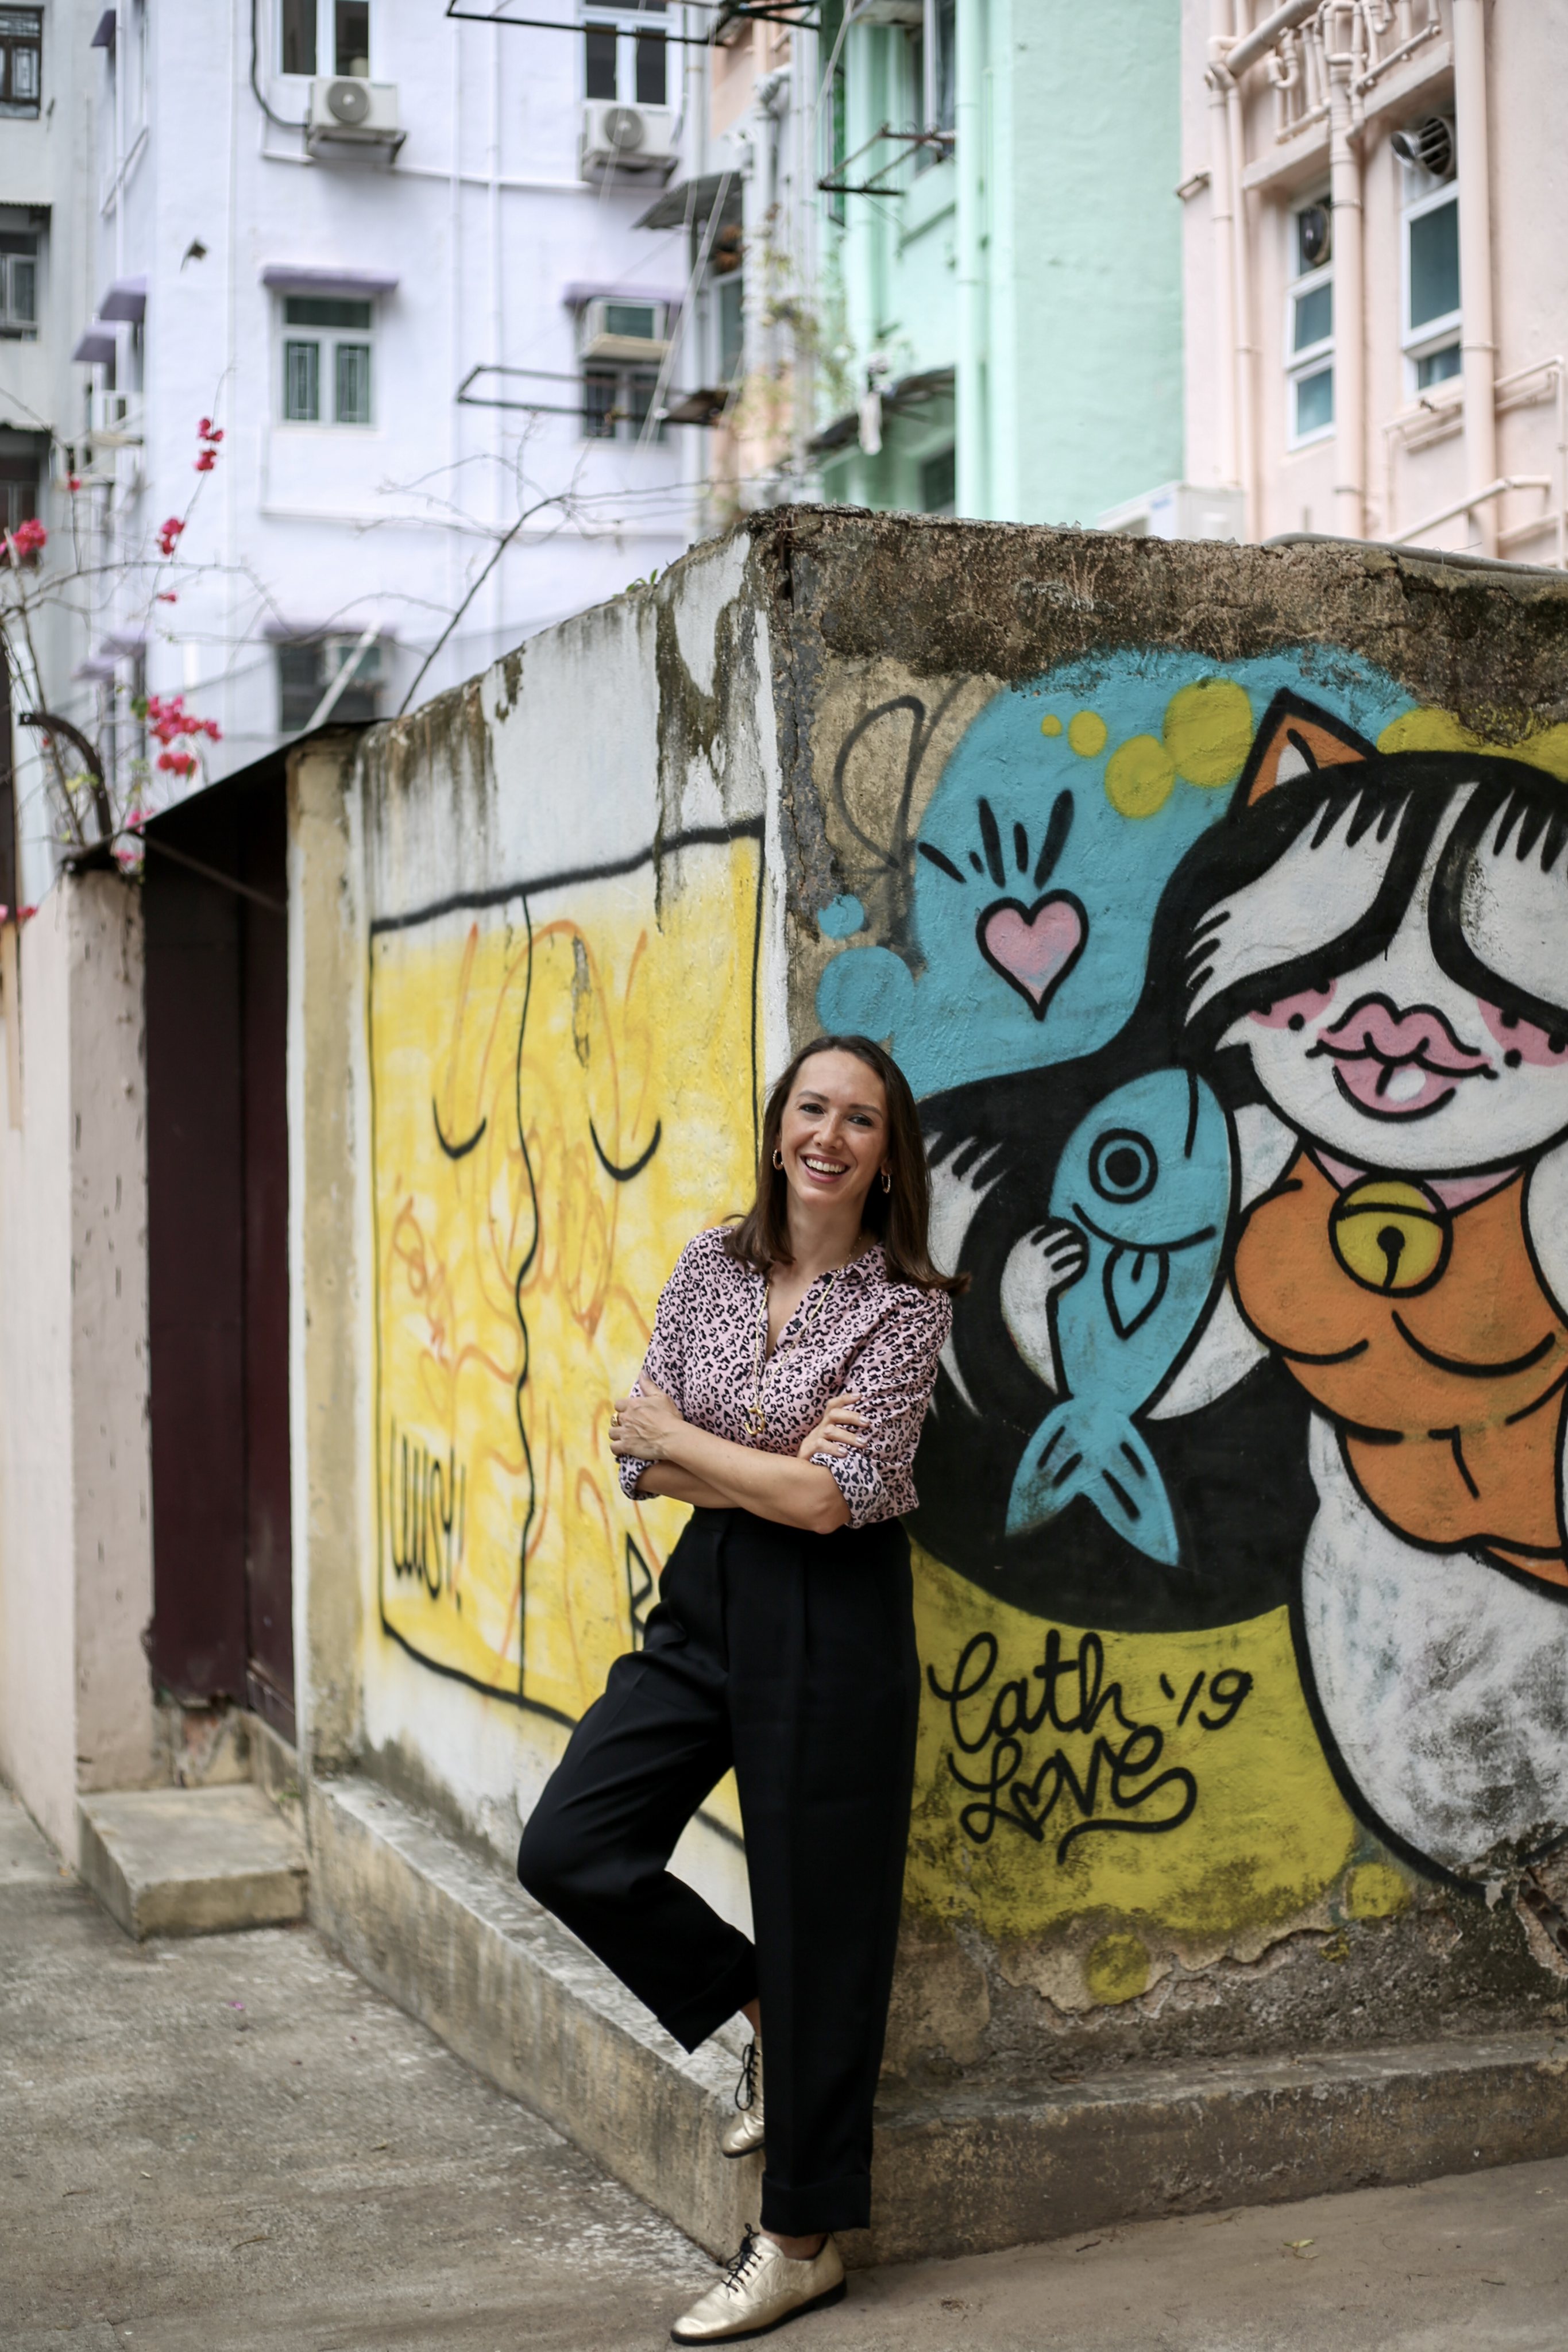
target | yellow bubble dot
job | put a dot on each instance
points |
(1139, 775)
(1208, 731)
(1050, 724)
(1375, 1891)
(1116, 1969)
(1086, 733)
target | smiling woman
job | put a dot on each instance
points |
(792, 1363)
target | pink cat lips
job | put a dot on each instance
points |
(1399, 1061)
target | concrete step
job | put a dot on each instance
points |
(983, 2166)
(191, 1862)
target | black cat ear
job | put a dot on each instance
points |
(1296, 739)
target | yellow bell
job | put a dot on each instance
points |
(1389, 1234)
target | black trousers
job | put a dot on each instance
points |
(791, 1656)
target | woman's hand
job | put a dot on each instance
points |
(836, 1431)
(644, 1426)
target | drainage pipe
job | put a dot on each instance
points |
(969, 384)
(1246, 351)
(1262, 37)
(1349, 347)
(1222, 200)
(1478, 343)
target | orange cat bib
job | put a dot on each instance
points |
(1423, 1331)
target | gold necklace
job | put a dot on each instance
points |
(756, 1419)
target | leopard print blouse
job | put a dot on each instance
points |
(868, 1334)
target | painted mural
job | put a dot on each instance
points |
(563, 1082)
(1238, 1005)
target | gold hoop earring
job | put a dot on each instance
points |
(778, 1157)
(887, 1179)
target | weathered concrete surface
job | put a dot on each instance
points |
(191, 1861)
(314, 2170)
(76, 1560)
(987, 2163)
(234, 2142)
(475, 1959)
(327, 1105)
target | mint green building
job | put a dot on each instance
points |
(1000, 255)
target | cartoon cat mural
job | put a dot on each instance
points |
(1356, 1405)
(1383, 945)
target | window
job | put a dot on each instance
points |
(939, 57)
(19, 282)
(1310, 326)
(834, 130)
(18, 490)
(731, 327)
(621, 61)
(351, 38)
(616, 403)
(308, 668)
(939, 482)
(1431, 281)
(21, 60)
(298, 22)
(329, 37)
(136, 61)
(639, 318)
(326, 359)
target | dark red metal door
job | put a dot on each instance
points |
(217, 1249)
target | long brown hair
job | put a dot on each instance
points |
(897, 1218)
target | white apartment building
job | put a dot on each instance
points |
(388, 250)
(48, 220)
(1376, 295)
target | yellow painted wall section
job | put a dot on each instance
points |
(1175, 1778)
(564, 1094)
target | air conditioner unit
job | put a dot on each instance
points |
(1180, 510)
(624, 331)
(908, 12)
(627, 138)
(116, 420)
(348, 115)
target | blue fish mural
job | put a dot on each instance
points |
(1146, 1179)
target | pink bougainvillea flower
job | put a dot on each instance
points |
(206, 462)
(73, 481)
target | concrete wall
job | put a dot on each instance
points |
(76, 1585)
(1135, 851)
(563, 1007)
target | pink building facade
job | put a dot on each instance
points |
(1376, 296)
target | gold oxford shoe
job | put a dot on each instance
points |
(745, 2135)
(760, 2290)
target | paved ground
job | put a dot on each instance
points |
(233, 2144)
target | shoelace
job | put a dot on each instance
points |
(750, 2252)
(746, 2088)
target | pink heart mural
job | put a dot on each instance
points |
(1034, 947)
